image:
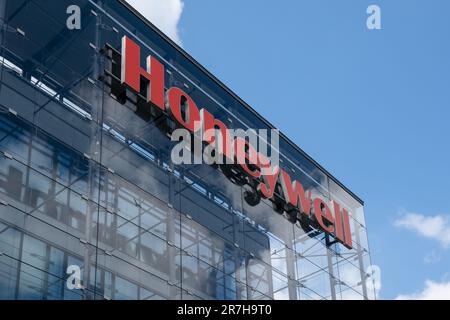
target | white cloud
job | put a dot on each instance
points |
(350, 294)
(432, 291)
(351, 276)
(165, 14)
(433, 227)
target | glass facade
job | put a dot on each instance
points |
(86, 179)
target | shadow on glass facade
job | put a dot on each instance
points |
(86, 179)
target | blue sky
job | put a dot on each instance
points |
(382, 96)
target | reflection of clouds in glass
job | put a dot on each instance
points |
(282, 294)
(351, 284)
(358, 214)
(349, 274)
(15, 147)
(312, 270)
(319, 177)
(164, 14)
(349, 294)
(205, 280)
(231, 191)
(278, 260)
(209, 266)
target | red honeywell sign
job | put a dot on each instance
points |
(333, 220)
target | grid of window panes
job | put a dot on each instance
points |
(86, 180)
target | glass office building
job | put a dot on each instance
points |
(86, 178)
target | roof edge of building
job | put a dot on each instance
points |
(234, 95)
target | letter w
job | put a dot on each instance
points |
(294, 193)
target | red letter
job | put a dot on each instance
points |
(339, 232)
(269, 181)
(245, 152)
(293, 191)
(321, 212)
(132, 73)
(175, 99)
(348, 233)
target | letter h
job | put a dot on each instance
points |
(132, 72)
